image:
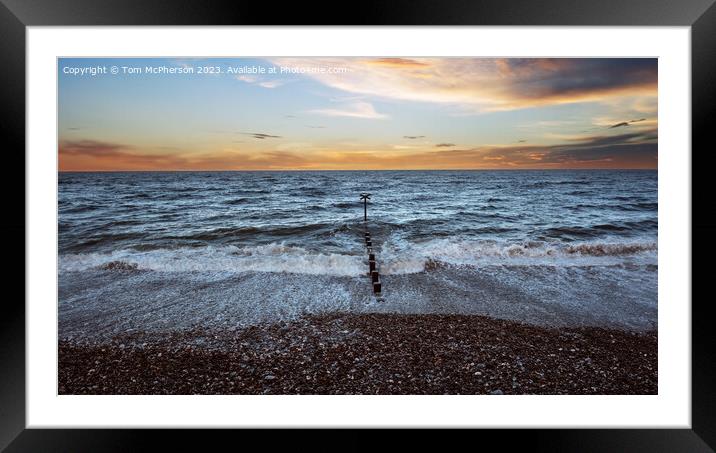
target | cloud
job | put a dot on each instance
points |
(445, 145)
(106, 156)
(413, 137)
(259, 136)
(262, 83)
(91, 147)
(359, 109)
(246, 78)
(397, 63)
(626, 123)
(635, 150)
(271, 83)
(93, 155)
(488, 84)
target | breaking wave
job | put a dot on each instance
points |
(268, 258)
(394, 257)
(406, 259)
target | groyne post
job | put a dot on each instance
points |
(372, 263)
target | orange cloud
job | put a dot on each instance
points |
(485, 84)
(397, 63)
(630, 150)
(92, 155)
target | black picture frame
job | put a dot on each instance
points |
(16, 15)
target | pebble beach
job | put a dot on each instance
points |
(367, 354)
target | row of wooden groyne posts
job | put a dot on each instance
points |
(372, 265)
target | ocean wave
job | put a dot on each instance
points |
(587, 207)
(405, 258)
(276, 230)
(79, 209)
(345, 205)
(236, 201)
(108, 239)
(571, 232)
(541, 184)
(394, 257)
(263, 258)
(250, 192)
(638, 206)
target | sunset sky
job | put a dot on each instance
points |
(360, 113)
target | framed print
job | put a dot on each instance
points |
(462, 217)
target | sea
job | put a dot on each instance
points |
(166, 251)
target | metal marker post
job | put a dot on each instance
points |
(365, 197)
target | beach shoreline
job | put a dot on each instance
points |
(366, 354)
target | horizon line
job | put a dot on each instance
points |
(358, 169)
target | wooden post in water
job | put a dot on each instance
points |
(372, 264)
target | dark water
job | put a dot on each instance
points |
(543, 246)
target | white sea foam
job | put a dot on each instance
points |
(401, 257)
(265, 258)
(395, 256)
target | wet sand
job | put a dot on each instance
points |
(367, 354)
